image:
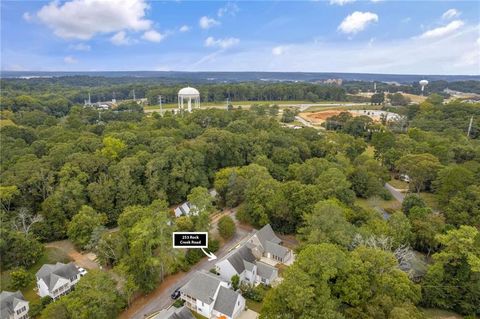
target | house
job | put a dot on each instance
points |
(174, 313)
(57, 280)
(264, 243)
(243, 263)
(183, 210)
(212, 297)
(13, 305)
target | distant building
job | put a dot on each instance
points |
(212, 297)
(13, 305)
(334, 81)
(57, 280)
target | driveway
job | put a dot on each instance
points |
(160, 298)
(398, 195)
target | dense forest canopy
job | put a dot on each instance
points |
(73, 172)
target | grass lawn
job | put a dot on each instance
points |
(255, 306)
(371, 203)
(398, 184)
(50, 256)
(430, 200)
(359, 106)
(440, 314)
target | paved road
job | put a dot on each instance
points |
(162, 299)
(395, 193)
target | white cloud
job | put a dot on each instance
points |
(82, 19)
(279, 50)
(221, 43)
(184, 28)
(80, 47)
(442, 31)
(450, 14)
(70, 60)
(357, 21)
(120, 38)
(341, 2)
(27, 16)
(229, 9)
(206, 22)
(153, 36)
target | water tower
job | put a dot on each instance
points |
(189, 95)
(423, 84)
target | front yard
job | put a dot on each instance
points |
(51, 256)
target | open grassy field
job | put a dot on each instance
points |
(50, 256)
(440, 314)
(375, 202)
(347, 106)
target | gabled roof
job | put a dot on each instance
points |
(174, 313)
(238, 257)
(248, 265)
(202, 286)
(267, 234)
(50, 273)
(265, 271)
(8, 302)
(226, 300)
(276, 249)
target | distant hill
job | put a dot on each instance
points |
(222, 77)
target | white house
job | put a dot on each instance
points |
(264, 243)
(243, 263)
(211, 297)
(183, 210)
(56, 280)
(13, 305)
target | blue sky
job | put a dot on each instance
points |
(421, 37)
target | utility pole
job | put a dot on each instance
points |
(228, 102)
(134, 95)
(470, 127)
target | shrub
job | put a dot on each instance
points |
(20, 278)
(226, 227)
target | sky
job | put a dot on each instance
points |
(361, 36)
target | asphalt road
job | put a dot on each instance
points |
(162, 299)
(395, 193)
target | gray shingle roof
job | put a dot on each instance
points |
(8, 302)
(238, 257)
(266, 271)
(202, 286)
(226, 301)
(276, 249)
(50, 274)
(267, 234)
(174, 313)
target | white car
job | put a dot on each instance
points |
(82, 271)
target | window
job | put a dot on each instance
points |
(19, 311)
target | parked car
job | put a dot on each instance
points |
(405, 178)
(175, 294)
(82, 271)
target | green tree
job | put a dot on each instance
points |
(20, 278)
(425, 227)
(420, 168)
(464, 208)
(377, 98)
(112, 147)
(410, 201)
(453, 280)
(200, 201)
(226, 227)
(327, 223)
(82, 225)
(235, 280)
(452, 180)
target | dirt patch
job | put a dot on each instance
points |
(86, 260)
(320, 117)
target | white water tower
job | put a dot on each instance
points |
(423, 84)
